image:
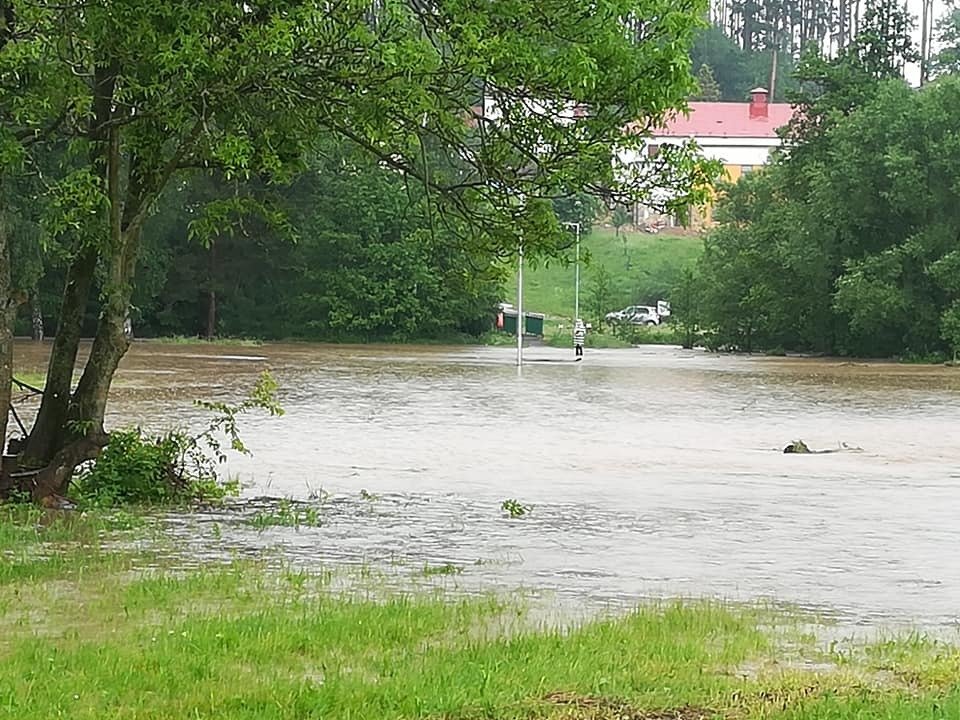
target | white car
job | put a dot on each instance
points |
(635, 315)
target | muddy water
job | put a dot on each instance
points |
(651, 471)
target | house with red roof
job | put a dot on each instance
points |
(740, 135)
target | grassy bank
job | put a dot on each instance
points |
(33, 379)
(640, 268)
(85, 634)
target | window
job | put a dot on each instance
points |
(745, 169)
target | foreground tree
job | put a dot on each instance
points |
(526, 101)
(840, 250)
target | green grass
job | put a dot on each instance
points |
(34, 379)
(194, 340)
(97, 638)
(641, 270)
(288, 514)
(559, 336)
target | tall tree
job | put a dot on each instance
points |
(947, 59)
(840, 250)
(709, 89)
(926, 40)
(526, 100)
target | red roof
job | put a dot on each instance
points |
(727, 119)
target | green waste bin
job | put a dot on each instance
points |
(533, 323)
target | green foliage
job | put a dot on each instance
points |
(620, 218)
(444, 569)
(174, 467)
(579, 207)
(848, 242)
(598, 294)
(263, 396)
(596, 339)
(515, 509)
(650, 334)
(950, 327)
(709, 89)
(287, 514)
(947, 59)
(373, 259)
(736, 71)
(133, 468)
(685, 306)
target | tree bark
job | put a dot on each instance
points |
(36, 315)
(843, 21)
(212, 293)
(926, 41)
(111, 342)
(47, 433)
(773, 73)
(8, 308)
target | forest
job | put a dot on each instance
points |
(849, 242)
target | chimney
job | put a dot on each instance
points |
(758, 103)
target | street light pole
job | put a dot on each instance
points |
(520, 318)
(576, 289)
(576, 285)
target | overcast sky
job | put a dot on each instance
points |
(940, 8)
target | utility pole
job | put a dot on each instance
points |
(576, 282)
(520, 318)
(926, 41)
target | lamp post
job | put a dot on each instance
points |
(576, 282)
(520, 317)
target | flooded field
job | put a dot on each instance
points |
(651, 472)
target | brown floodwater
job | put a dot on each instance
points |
(651, 472)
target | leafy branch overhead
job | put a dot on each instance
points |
(527, 98)
(493, 109)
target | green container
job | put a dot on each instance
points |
(533, 323)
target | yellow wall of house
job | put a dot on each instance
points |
(703, 217)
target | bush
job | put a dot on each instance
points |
(175, 467)
(134, 468)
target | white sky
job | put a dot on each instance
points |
(940, 8)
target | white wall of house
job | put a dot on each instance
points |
(730, 151)
(745, 152)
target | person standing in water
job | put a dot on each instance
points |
(579, 336)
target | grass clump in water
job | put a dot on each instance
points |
(444, 569)
(287, 514)
(515, 509)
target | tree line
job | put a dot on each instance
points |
(849, 242)
(759, 42)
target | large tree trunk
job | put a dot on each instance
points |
(8, 307)
(111, 342)
(212, 293)
(47, 434)
(36, 315)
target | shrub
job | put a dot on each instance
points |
(177, 466)
(135, 468)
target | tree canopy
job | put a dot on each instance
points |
(850, 241)
(428, 137)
